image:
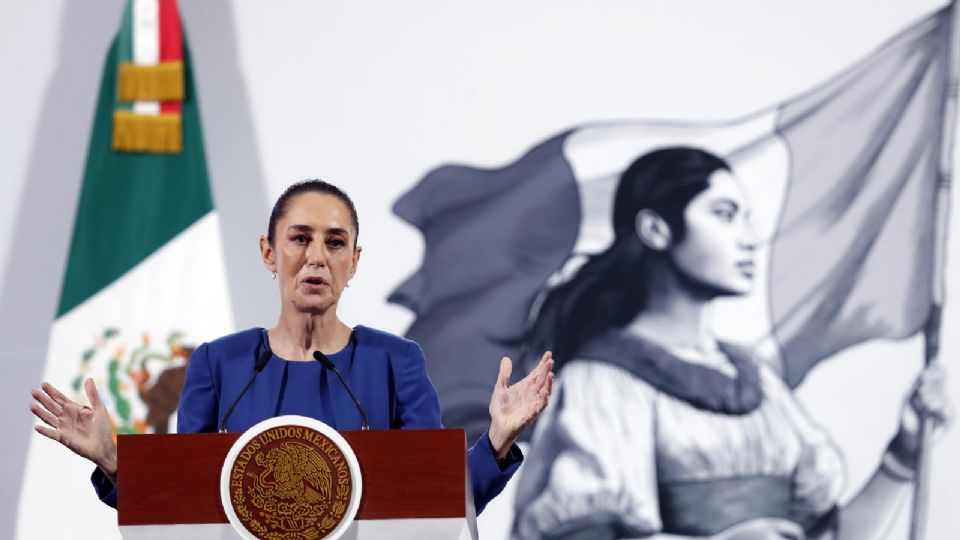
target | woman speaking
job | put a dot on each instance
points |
(311, 250)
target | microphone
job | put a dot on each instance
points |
(257, 368)
(328, 364)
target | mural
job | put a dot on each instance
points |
(688, 277)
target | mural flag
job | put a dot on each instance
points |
(145, 278)
(854, 252)
(842, 181)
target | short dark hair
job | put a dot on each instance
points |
(310, 186)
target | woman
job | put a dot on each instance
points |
(660, 430)
(311, 249)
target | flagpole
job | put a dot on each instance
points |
(932, 329)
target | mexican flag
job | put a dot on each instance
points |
(145, 280)
(842, 181)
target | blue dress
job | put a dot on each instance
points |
(387, 373)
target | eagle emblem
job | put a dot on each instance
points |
(294, 471)
(290, 482)
(139, 378)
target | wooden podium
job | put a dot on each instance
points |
(416, 485)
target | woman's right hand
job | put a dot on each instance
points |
(84, 429)
(763, 529)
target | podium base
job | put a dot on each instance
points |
(366, 529)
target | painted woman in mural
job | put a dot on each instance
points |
(658, 428)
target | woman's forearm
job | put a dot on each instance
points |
(108, 462)
(871, 513)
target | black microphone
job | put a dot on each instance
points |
(257, 368)
(328, 364)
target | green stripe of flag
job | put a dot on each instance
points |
(124, 47)
(132, 203)
(125, 35)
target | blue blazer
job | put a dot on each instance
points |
(387, 373)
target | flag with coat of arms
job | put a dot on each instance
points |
(145, 280)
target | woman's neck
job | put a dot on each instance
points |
(675, 315)
(298, 335)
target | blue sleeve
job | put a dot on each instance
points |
(106, 490)
(418, 407)
(489, 477)
(199, 403)
(197, 413)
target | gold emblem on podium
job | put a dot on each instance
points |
(290, 481)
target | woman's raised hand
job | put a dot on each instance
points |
(84, 429)
(928, 399)
(514, 407)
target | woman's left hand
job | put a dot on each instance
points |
(514, 408)
(928, 399)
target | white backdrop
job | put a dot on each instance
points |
(371, 95)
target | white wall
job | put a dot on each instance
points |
(370, 95)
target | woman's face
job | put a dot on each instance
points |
(314, 255)
(717, 250)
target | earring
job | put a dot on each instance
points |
(273, 275)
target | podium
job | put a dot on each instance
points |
(416, 485)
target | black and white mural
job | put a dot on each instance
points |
(687, 278)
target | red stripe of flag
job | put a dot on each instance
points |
(171, 44)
